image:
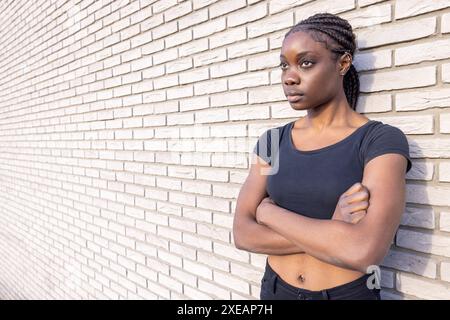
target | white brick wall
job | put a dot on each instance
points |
(126, 127)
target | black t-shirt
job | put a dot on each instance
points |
(311, 182)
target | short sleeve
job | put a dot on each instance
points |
(268, 144)
(386, 139)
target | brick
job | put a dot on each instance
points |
(231, 252)
(197, 214)
(183, 251)
(171, 283)
(197, 187)
(398, 79)
(270, 24)
(245, 113)
(264, 61)
(228, 68)
(409, 8)
(444, 122)
(227, 37)
(424, 242)
(413, 263)
(427, 51)
(418, 217)
(444, 221)
(278, 6)
(446, 73)
(445, 23)
(225, 221)
(182, 224)
(252, 79)
(364, 3)
(198, 269)
(444, 171)
(213, 232)
(213, 115)
(421, 171)
(170, 258)
(422, 100)
(197, 158)
(194, 76)
(225, 6)
(209, 28)
(197, 242)
(195, 294)
(178, 38)
(213, 204)
(374, 103)
(169, 233)
(229, 281)
(210, 86)
(421, 124)
(375, 15)
(193, 19)
(210, 57)
(373, 37)
(431, 148)
(266, 94)
(228, 130)
(248, 47)
(183, 277)
(445, 271)
(178, 11)
(212, 260)
(216, 291)
(194, 103)
(247, 15)
(387, 279)
(423, 289)
(373, 60)
(246, 273)
(314, 7)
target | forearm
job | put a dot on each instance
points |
(332, 241)
(257, 238)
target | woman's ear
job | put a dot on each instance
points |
(345, 63)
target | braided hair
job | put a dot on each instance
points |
(337, 35)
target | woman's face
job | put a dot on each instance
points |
(309, 75)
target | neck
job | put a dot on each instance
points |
(336, 113)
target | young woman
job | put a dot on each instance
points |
(325, 193)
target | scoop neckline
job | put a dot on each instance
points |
(291, 142)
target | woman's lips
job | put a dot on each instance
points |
(294, 98)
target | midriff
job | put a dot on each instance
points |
(317, 275)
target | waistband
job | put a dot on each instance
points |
(361, 281)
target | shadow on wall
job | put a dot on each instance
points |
(409, 257)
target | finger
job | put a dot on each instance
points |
(358, 216)
(362, 205)
(357, 196)
(354, 188)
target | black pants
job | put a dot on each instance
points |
(275, 288)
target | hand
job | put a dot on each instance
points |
(352, 205)
(265, 203)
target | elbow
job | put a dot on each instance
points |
(367, 259)
(238, 243)
(238, 236)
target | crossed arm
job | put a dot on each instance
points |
(352, 246)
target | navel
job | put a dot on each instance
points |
(301, 278)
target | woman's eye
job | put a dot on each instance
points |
(308, 64)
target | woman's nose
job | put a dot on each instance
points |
(291, 79)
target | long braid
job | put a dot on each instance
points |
(338, 36)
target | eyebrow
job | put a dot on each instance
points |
(298, 54)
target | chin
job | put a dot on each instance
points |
(299, 106)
